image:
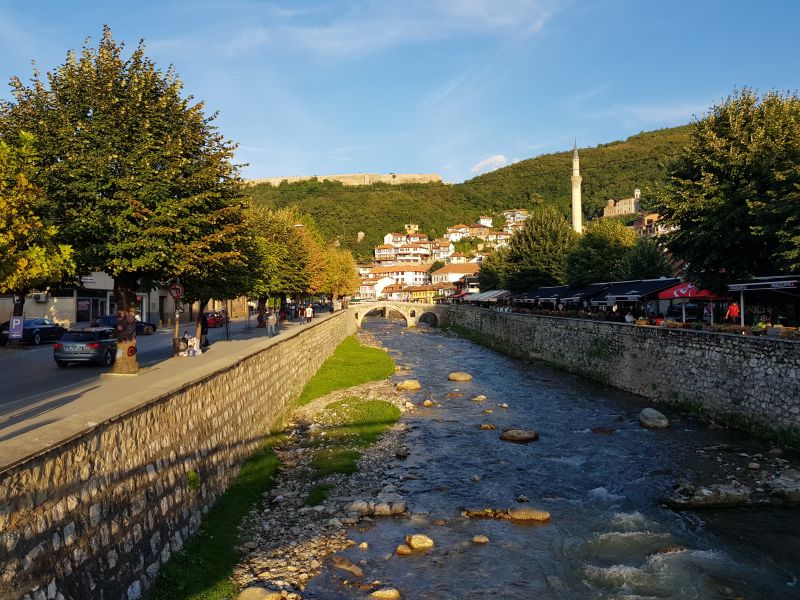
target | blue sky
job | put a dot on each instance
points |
(416, 86)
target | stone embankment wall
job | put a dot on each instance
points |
(356, 178)
(750, 382)
(97, 515)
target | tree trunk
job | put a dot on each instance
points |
(19, 305)
(127, 362)
(262, 309)
(198, 332)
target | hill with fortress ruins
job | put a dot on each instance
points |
(344, 205)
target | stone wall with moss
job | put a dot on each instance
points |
(96, 516)
(750, 382)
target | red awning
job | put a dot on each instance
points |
(461, 295)
(689, 291)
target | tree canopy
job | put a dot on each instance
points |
(733, 194)
(599, 252)
(537, 253)
(139, 180)
(30, 255)
(646, 260)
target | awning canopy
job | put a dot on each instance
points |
(633, 291)
(490, 296)
(689, 291)
(780, 282)
(578, 294)
(543, 294)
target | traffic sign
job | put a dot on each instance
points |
(15, 328)
(176, 291)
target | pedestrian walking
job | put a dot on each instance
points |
(732, 314)
(309, 313)
(271, 322)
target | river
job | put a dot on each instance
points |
(609, 537)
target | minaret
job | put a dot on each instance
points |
(577, 216)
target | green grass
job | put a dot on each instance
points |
(316, 495)
(350, 364)
(350, 424)
(202, 570)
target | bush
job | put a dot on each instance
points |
(790, 334)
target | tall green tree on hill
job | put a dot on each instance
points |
(734, 192)
(537, 253)
(599, 252)
(30, 256)
(140, 180)
(646, 260)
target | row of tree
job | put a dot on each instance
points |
(547, 252)
(104, 166)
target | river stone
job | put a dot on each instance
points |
(399, 507)
(427, 403)
(487, 411)
(487, 426)
(340, 562)
(712, 496)
(418, 541)
(527, 513)
(459, 376)
(385, 594)
(652, 419)
(258, 593)
(602, 430)
(787, 486)
(382, 509)
(519, 436)
(480, 539)
(358, 506)
(408, 385)
(403, 550)
(363, 546)
(479, 398)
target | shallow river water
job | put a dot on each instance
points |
(608, 528)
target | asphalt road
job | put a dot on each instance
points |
(29, 375)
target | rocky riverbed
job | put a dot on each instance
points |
(284, 542)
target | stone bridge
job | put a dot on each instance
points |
(413, 312)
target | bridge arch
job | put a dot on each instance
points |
(413, 312)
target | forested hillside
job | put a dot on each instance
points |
(609, 171)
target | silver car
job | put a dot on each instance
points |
(90, 345)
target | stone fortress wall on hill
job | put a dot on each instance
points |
(96, 515)
(752, 383)
(355, 179)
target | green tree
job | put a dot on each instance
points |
(599, 252)
(733, 195)
(646, 260)
(341, 273)
(537, 253)
(435, 266)
(30, 256)
(140, 181)
(494, 273)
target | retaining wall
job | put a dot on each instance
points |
(750, 382)
(96, 515)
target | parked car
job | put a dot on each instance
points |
(89, 345)
(34, 331)
(216, 318)
(142, 327)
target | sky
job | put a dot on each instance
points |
(458, 87)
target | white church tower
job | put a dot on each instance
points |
(577, 215)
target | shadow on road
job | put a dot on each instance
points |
(37, 410)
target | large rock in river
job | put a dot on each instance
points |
(409, 385)
(652, 419)
(459, 376)
(418, 541)
(258, 593)
(519, 436)
(528, 513)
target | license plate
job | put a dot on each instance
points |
(73, 348)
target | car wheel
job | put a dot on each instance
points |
(108, 358)
(147, 330)
(37, 338)
(61, 364)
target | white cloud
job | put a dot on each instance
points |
(495, 161)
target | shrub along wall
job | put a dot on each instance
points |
(96, 516)
(750, 382)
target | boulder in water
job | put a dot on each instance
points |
(528, 513)
(479, 398)
(385, 594)
(519, 436)
(403, 550)
(459, 376)
(487, 426)
(480, 539)
(258, 593)
(418, 541)
(408, 385)
(652, 419)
